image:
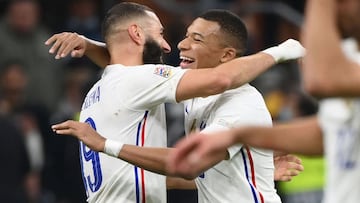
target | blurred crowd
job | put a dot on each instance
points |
(36, 90)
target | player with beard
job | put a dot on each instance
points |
(126, 104)
(153, 53)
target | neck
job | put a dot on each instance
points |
(126, 54)
(125, 59)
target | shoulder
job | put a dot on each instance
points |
(243, 92)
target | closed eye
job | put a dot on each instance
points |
(197, 37)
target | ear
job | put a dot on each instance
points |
(229, 54)
(135, 33)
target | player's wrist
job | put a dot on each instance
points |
(112, 147)
(289, 50)
(273, 52)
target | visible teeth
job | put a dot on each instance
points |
(186, 58)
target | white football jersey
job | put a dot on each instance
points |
(248, 176)
(126, 104)
(340, 122)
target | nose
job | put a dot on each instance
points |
(166, 47)
(182, 45)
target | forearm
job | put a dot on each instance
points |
(325, 62)
(154, 160)
(245, 69)
(151, 159)
(302, 136)
(211, 81)
(235, 73)
(97, 52)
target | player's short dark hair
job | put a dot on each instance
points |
(122, 12)
(232, 28)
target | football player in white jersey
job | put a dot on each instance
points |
(331, 72)
(246, 175)
(144, 100)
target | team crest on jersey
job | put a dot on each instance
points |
(163, 71)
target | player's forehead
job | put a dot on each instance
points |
(203, 27)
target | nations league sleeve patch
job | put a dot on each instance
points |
(163, 71)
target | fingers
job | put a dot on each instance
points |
(68, 44)
(296, 166)
(58, 41)
(64, 128)
(64, 44)
(185, 149)
(287, 167)
(51, 39)
(66, 47)
(177, 156)
(184, 158)
(293, 172)
(54, 40)
(294, 162)
(194, 155)
(65, 124)
(77, 53)
(293, 158)
(67, 131)
(193, 158)
(186, 167)
(289, 158)
(289, 175)
(285, 178)
(286, 175)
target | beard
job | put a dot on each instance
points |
(153, 53)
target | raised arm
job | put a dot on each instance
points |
(205, 82)
(326, 70)
(77, 45)
(197, 152)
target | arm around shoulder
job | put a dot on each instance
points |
(235, 73)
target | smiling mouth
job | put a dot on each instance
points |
(186, 61)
